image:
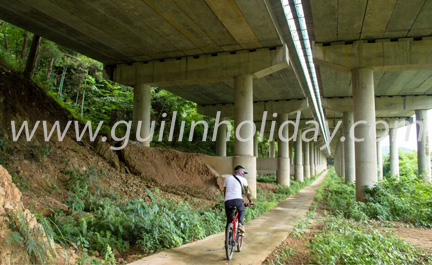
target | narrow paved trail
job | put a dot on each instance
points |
(263, 235)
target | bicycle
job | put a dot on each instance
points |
(233, 237)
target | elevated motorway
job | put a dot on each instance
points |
(374, 62)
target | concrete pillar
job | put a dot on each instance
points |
(283, 170)
(306, 160)
(291, 154)
(243, 116)
(292, 160)
(256, 145)
(423, 151)
(142, 111)
(349, 152)
(312, 159)
(221, 140)
(379, 160)
(342, 159)
(394, 153)
(272, 152)
(364, 111)
(338, 159)
(298, 158)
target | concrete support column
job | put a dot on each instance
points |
(141, 112)
(292, 160)
(244, 128)
(379, 160)
(423, 151)
(306, 159)
(349, 152)
(312, 159)
(221, 140)
(394, 153)
(283, 170)
(338, 159)
(342, 159)
(256, 145)
(298, 158)
(364, 113)
(272, 152)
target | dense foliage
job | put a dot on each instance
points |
(346, 242)
(406, 199)
(407, 163)
(98, 218)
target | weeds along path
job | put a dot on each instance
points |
(263, 235)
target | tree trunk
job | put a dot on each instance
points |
(32, 56)
(50, 66)
(6, 41)
(24, 48)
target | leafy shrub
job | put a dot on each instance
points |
(98, 218)
(345, 242)
(406, 199)
(39, 250)
(266, 178)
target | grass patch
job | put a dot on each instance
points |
(346, 242)
(266, 178)
(283, 256)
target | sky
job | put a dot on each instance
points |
(411, 143)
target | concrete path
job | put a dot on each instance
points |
(263, 235)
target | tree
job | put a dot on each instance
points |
(24, 48)
(32, 56)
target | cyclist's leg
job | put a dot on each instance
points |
(229, 211)
(239, 203)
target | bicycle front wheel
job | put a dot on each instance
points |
(229, 241)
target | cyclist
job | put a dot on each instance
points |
(233, 191)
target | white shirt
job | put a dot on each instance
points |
(233, 188)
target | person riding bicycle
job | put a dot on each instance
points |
(233, 192)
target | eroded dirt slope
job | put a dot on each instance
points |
(41, 168)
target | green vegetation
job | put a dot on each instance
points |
(407, 164)
(283, 255)
(99, 218)
(346, 242)
(20, 182)
(407, 199)
(266, 178)
(39, 249)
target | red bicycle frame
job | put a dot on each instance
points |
(235, 222)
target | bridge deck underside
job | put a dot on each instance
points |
(125, 31)
(280, 85)
(336, 21)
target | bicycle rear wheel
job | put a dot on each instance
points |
(229, 241)
(239, 243)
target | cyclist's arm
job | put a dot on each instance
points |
(248, 195)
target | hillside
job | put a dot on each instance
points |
(41, 169)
